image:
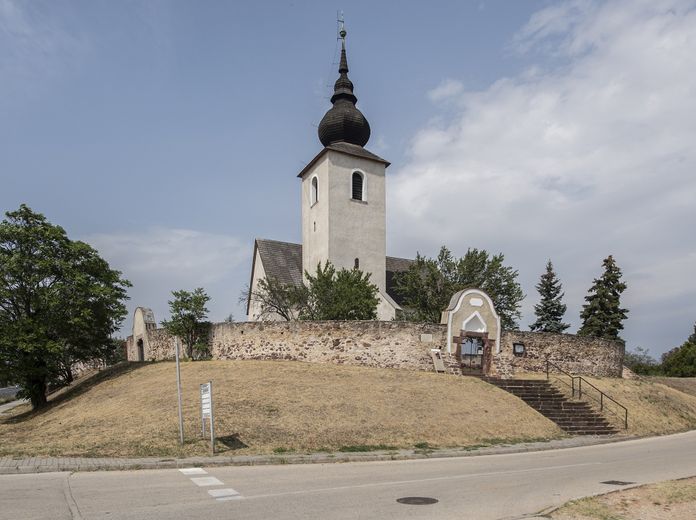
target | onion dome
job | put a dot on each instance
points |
(344, 122)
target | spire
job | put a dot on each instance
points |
(344, 122)
(343, 66)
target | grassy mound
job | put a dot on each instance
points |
(683, 384)
(653, 408)
(270, 406)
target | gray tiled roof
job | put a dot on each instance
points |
(283, 261)
(354, 149)
(348, 148)
(396, 265)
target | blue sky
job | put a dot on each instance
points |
(169, 135)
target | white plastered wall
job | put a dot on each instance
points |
(472, 310)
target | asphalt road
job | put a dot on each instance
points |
(485, 487)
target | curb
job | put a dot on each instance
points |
(14, 466)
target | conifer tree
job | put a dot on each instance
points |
(602, 315)
(550, 309)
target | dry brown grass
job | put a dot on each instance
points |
(683, 384)
(671, 500)
(266, 406)
(653, 408)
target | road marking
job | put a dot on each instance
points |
(207, 481)
(224, 494)
(221, 495)
(193, 471)
(416, 481)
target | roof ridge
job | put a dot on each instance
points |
(277, 241)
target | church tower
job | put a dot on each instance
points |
(343, 193)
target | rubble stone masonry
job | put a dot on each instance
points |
(390, 344)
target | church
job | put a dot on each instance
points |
(343, 200)
(343, 192)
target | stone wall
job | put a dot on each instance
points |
(389, 344)
(158, 345)
(574, 354)
(386, 344)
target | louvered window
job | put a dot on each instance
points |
(357, 186)
(315, 191)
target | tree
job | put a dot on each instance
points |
(602, 315)
(275, 298)
(681, 361)
(550, 309)
(60, 302)
(641, 362)
(428, 284)
(339, 295)
(188, 314)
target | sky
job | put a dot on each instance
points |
(169, 134)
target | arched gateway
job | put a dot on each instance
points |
(473, 330)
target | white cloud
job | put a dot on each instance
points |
(447, 89)
(593, 156)
(158, 260)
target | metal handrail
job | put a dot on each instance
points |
(580, 380)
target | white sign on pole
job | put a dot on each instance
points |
(207, 412)
(206, 401)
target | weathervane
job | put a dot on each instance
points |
(341, 26)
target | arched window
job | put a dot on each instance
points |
(358, 186)
(357, 263)
(315, 191)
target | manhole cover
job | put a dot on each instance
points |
(617, 483)
(417, 501)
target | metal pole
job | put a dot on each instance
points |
(212, 421)
(178, 392)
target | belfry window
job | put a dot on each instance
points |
(358, 186)
(315, 191)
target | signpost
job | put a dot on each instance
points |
(178, 392)
(207, 412)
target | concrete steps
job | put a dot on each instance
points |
(574, 417)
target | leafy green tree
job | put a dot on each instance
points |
(274, 298)
(339, 295)
(60, 302)
(429, 283)
(550, 309)
(602, 315)
(188, 319)
(641, 362)
(692, 338)
(681, 361)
